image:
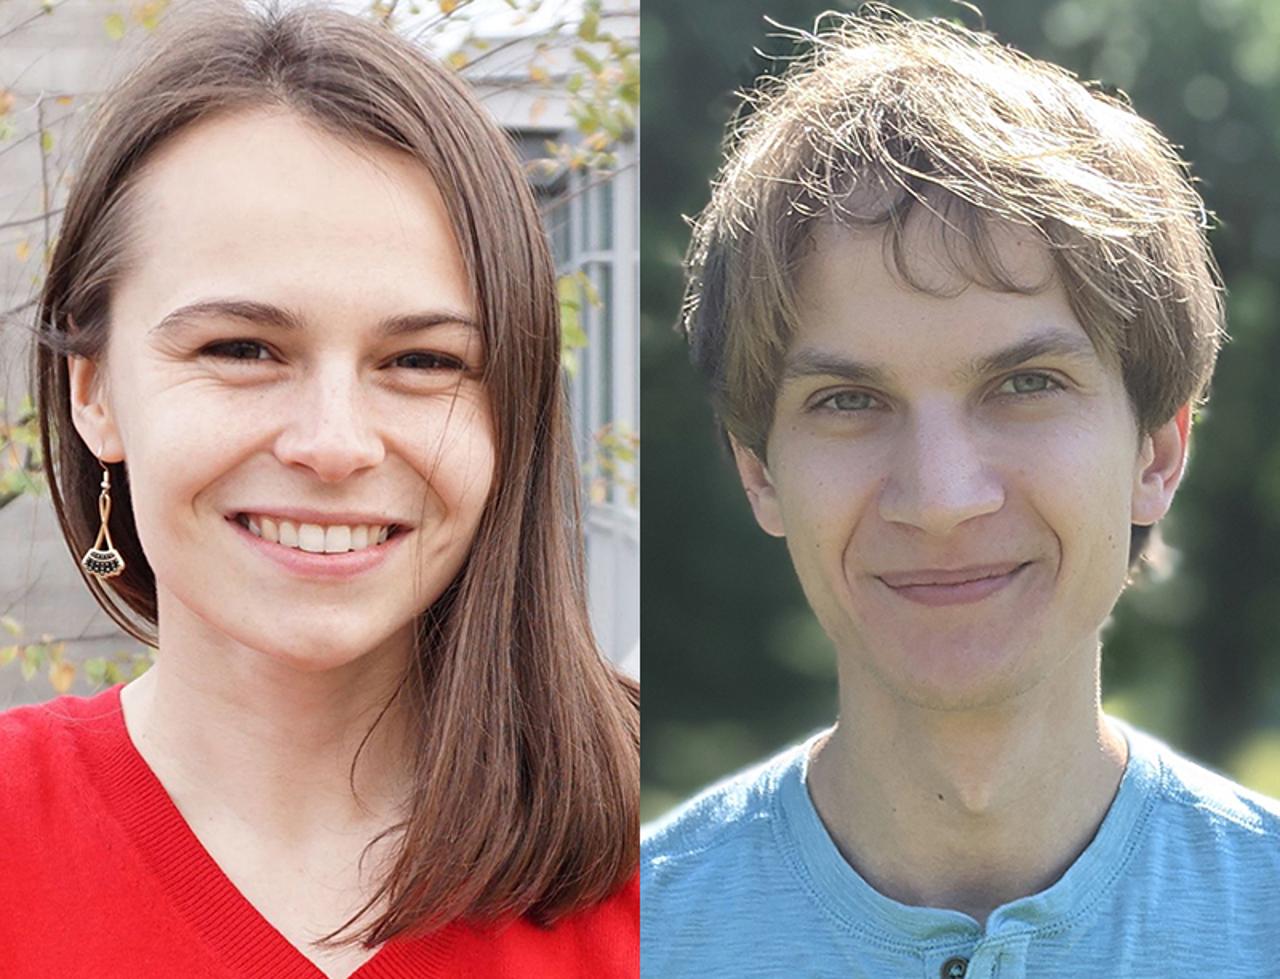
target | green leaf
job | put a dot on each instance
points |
(7, 655)
(30, 661)
(115, 26)
(95, 669)
(10, 625)
(583, 56)
(589, 29)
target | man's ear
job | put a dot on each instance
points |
(91, 411)
(1162, 458)
(760, 491)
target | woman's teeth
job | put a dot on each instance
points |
(334, 539)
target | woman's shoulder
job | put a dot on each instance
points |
(26, 724)
(600, 940)
(40, 744)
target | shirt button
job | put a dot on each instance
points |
(955, 968)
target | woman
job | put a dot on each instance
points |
(299, 386)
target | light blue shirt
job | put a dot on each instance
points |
(1182, 879)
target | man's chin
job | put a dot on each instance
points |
(958, 680)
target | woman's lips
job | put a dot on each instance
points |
(959, 586)
(307, 564)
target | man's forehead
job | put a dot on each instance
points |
(938, 251)
(863, 320)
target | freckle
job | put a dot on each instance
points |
(940, 799)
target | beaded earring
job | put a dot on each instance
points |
(103, 562)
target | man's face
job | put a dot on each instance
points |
(955, 477)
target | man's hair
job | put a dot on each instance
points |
(525, 744)
(888, 115)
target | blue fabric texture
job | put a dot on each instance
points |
(1181, 879)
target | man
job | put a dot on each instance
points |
(955, 310)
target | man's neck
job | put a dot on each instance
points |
(967, 810)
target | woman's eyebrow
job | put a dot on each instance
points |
(267, 314)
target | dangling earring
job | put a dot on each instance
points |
(103, 562)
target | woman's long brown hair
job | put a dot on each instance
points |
(526, 742)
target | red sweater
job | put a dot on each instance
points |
(101, 877)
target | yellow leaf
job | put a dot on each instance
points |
(8, 654)
(6, 101)
(24, 250)
(63, 100)
(114, 25)
(448, 6)
(10, 625)
(538, 74)
(457, 60)
(60, 676)
(148, 14)
(46, 141)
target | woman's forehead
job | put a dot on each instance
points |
(303, 214)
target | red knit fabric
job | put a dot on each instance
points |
(100, 876)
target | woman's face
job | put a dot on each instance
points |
(293, 354)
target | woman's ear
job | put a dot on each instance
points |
(91, 410)
(760, 490)
(1162, 460)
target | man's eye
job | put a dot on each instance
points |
(1032, 382)
(238, 350)
(846, 401)
(423, 361)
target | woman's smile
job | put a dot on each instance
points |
(318, 534)
(305, 559)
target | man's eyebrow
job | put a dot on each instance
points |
(266, 314)
(1051, 343)
(812, 362)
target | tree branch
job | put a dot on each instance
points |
(43, 12)
(44, 182)
(4, 225)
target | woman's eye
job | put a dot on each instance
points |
(238, 350)
(423, 361)
(846, 401)
(1029, 383)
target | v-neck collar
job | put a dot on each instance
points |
(245, 942)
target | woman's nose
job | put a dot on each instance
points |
(939, 477)
(330, 429)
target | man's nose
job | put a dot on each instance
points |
(939, 476)
(330, 430)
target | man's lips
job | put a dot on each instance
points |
(940, 576)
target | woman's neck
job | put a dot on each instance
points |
(228, 728)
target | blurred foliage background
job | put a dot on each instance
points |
(735, 665)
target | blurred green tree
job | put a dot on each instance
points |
(735, 665)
